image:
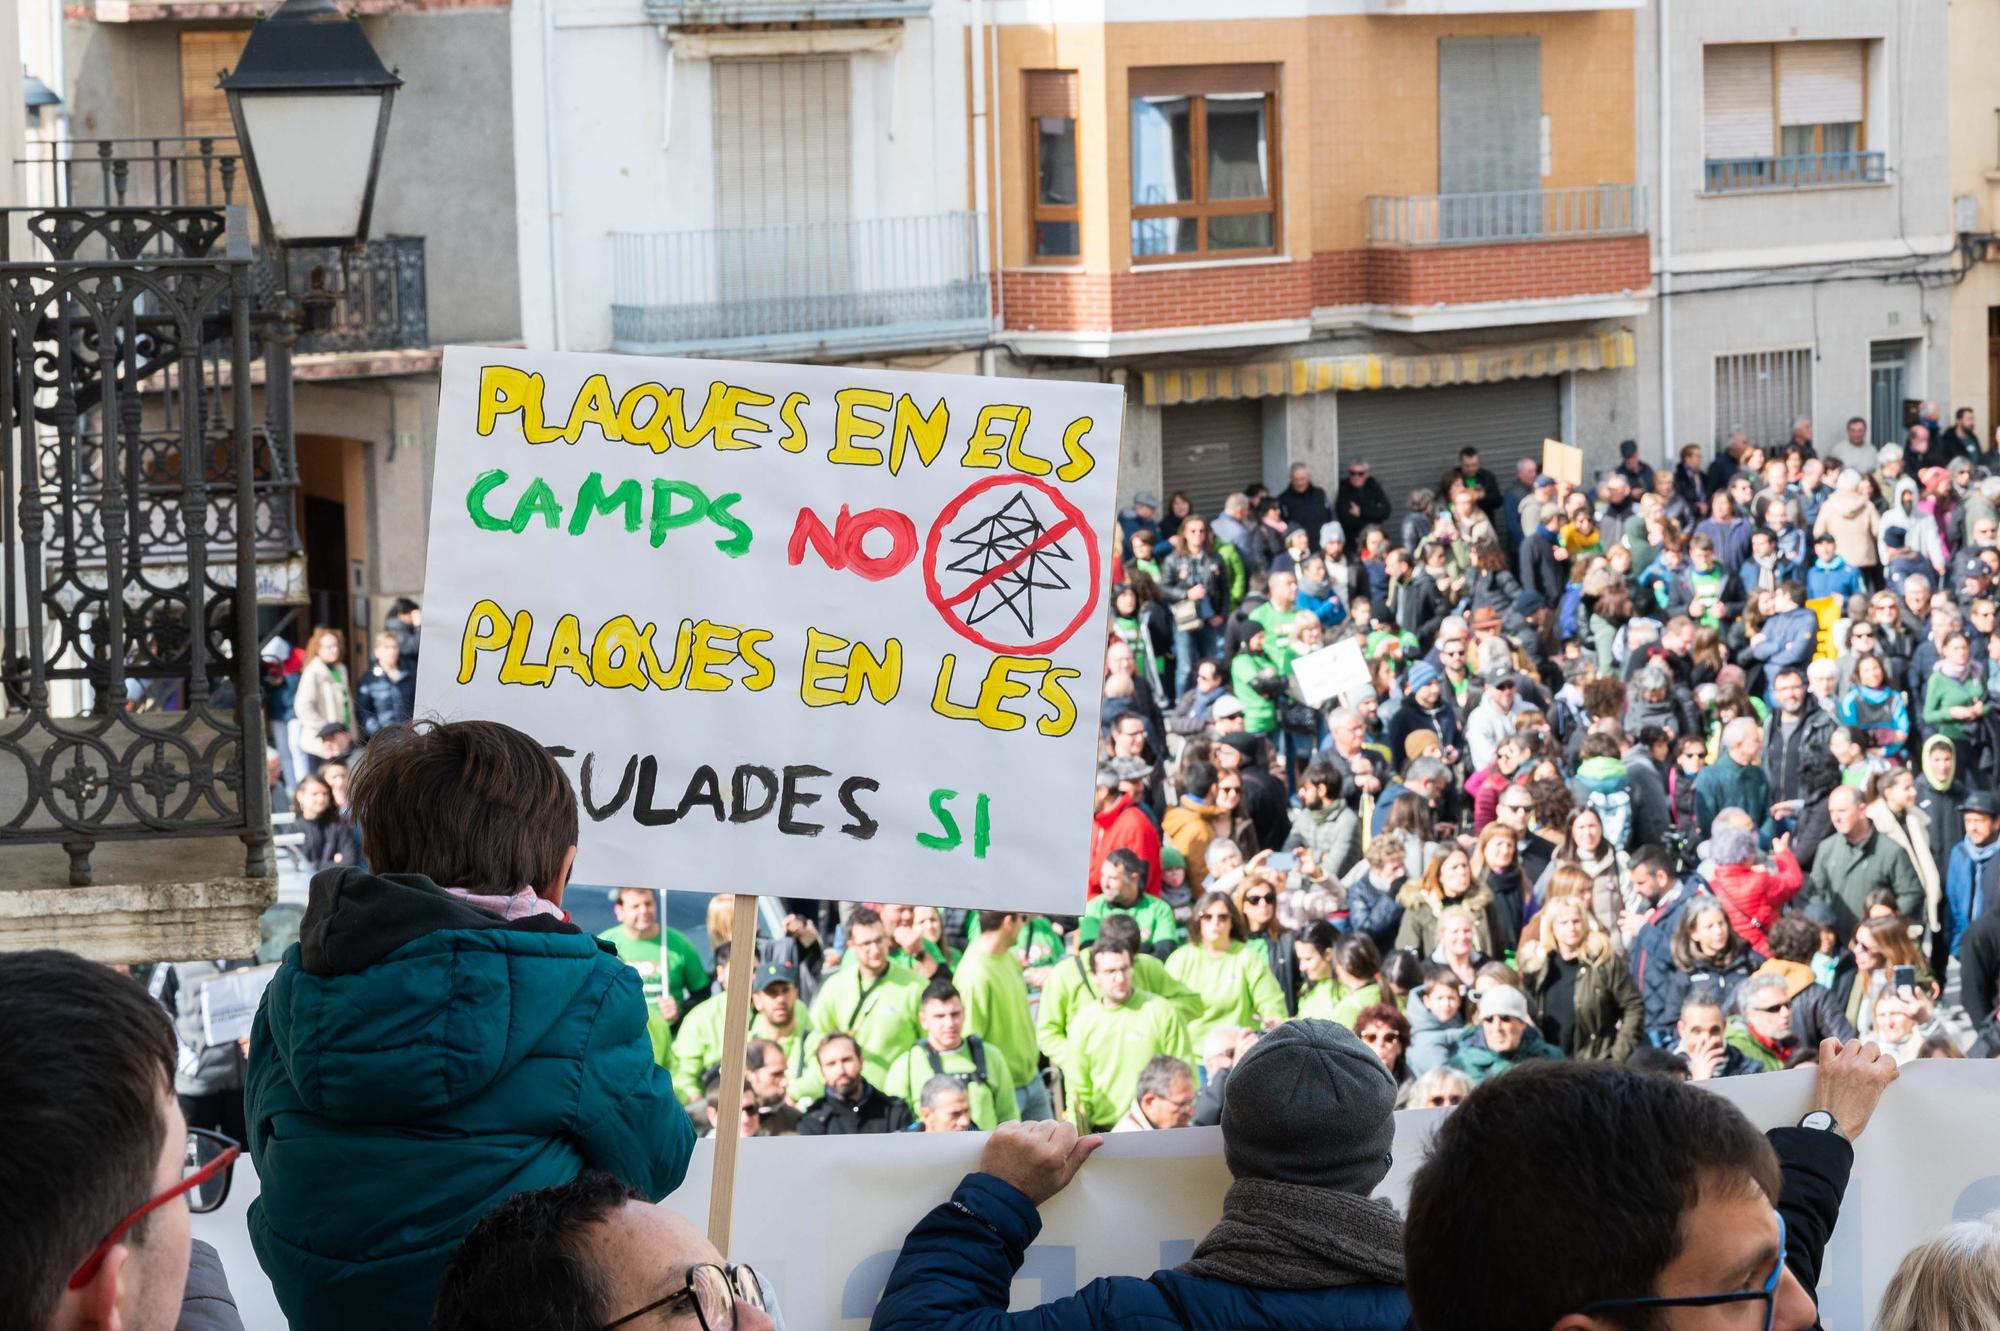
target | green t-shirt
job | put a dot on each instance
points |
(1156, 919)
(1038, 945)
(1107, 1049)
(996, 1007)
(992, 1101)
(697, 1046)
(1236, 987)
(1320, 1000)
(881, 1014)
(666, 962)
(1069, 987)
(943, 957)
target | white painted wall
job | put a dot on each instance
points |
(633, 142)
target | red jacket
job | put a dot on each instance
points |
(1754, 897)
(1125, 826)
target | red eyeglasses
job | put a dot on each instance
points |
(204, 1180)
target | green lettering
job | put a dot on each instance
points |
(719, 514)
(537, 499)
(952, 838)
(475, 501)
(665, 519)
(592, 500)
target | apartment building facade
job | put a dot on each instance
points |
(1309, 230)
(1804, 237)
(1973, 34)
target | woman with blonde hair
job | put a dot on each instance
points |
(1950, 1283)
(1580, 994)
(323, 698)
(1866, 973)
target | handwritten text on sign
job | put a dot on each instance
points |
(802, 629)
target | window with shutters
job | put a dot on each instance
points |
(1204, 165)
(1786, 115)
(204, 56)
(1055, 223)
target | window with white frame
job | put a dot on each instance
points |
(1786, 114)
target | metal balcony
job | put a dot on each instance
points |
(1733, 175)
(724, 13)
(1506, 216)
(819, 288)
(384, 301)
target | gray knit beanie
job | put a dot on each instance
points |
(1310, 1104)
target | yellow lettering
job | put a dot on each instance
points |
(594, 405)
(517, 668)
(724, 416)
(1077, 461)
(882, 676)
(795, 433)
(566, 650)
(924, 429)
(621, 656)
(714, 645)
(749, 646)
(849, 426)
(941, 702)
(504, 390)
(486, 630)
(985, 446)
(652, 429)
(1057, 697)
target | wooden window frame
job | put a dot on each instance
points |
(1197, 83)
(1039, 212)
(1819, 131)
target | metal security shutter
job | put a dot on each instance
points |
(1489, 114)
(1410, 437)
(1736, 102)
(1764, 392)
(1820, 83)
(1211, 450)
(782, 139)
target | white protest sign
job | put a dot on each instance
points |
(1332, 672)
(229, 1003)
(1145, 1199)
(786, 626)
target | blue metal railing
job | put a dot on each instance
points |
(1725, 175)
(1505, 216)
(880, 283)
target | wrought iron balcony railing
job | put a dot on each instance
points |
(1730, 175)
(681, 13)
(132, 679)
(882, 284)
(1506, 216)
(384, 305)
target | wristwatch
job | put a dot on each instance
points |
(1819, 1120)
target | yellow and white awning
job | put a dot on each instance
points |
(1613, 350)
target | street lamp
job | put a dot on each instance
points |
(310, 99)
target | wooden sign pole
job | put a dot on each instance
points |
(735, 1035)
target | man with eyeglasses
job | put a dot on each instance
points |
(1165, 1100)
(1109, 1042)
(592, 1252)
(1708, 1213)
(101, 1170)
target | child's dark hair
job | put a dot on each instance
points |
(470, 804)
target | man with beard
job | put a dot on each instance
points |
(850, 1105)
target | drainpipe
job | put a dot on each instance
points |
(559, 319)
(979, 129)
(1663, 269)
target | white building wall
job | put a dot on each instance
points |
(633, 136)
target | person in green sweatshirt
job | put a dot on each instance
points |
(996, 1004)
(1955, 695)
(1123, 880)
(870, 999)
(1111, 1040)
(670, 970)
(781, 1019)
(697, 1045)
(948, 1051)
(1235, 983)
(1068, 988)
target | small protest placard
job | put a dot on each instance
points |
(1332, 672)
(809, 628)
(1562, 461)
(229, 1003)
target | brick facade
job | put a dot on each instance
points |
(1044, 300)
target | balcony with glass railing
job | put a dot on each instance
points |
(1733, 175)
(1506, 216)
(800, 291)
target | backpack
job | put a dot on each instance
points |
(1614, 810)
(966, 1080)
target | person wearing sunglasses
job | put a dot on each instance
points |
(593, 1253)
(105, 1171)
(1710, 1222)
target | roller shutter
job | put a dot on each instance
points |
(1736, 102)
(1211, 450)
(1820, 83)
(1410, 437)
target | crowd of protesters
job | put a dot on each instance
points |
(1690, 769)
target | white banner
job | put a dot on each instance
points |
(229, 1003)
(790, 628)
(825, 1217)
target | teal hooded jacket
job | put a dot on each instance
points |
(416, 1061)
